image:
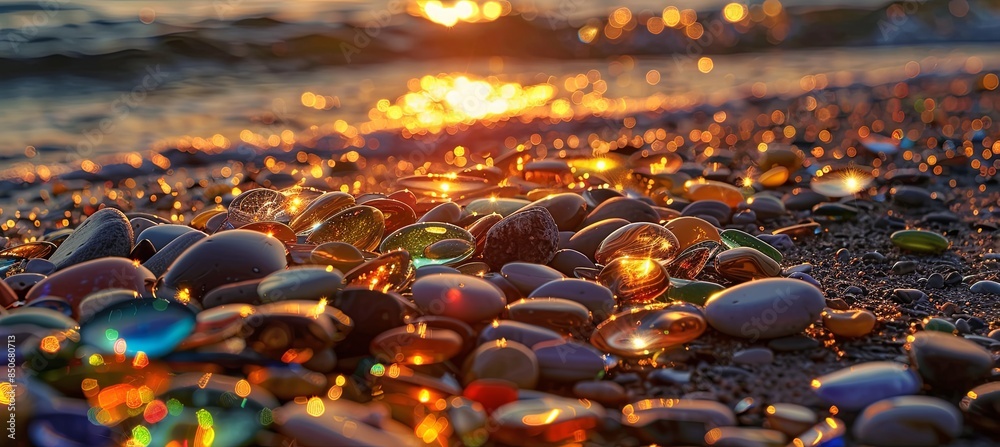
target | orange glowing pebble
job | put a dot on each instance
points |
(774, 177)
(276, 230)
(712, 190)
(692, 230)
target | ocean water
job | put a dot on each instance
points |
(84, 79)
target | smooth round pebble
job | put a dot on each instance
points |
(766, 308)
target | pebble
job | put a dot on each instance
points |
(805, 277)
(161, 235)
(563, 316)
(241, 292)
(858, 386)
(909, 295)
(640, 239)
(466, 298)
(843, 255)
(528, 277)
(911, 196)
(873, 257)
(416, 238)
(981, 407)
(766, 308)
(567, 209)
(568, 361)
(634, 280)
(676, 421)
(935, 281)
(744, 264)
(450, 212)
(790, 419)
(744, 436)
(903, 267)
(623, 208)
(530, 235)
(76, 282)
(361, 226)
(128, 318)
(732, 238)
(105, 233)
(159, 262)
(919, 241)
(766, 206)
(803, 199)
(604, 392)
(745, 217)
(545, 421)
(781, 242)
(939, 325)
(690, 231)
(300, 283)
(792, 343)
(416, 344)
(503, 359)
(910, 421)
(714, 211)
(947, 361)
(669, 376)
(694, 292)
(643, 331)
(595, 297)
(220, 259)
(753, 356)
(849, 323)
(986, 287)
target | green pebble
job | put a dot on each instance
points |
(919, 241)
(940, 325)
(694, 292)
(732, 238)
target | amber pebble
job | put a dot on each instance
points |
(567, 209)
(503, 359)
(744, 264)
(789, 158)
(447, 212)
(361, 226)
(299, 254)
(800, 231)
(631, 210)
(258, 205)
(31, 250)
(774, 177)
(397, 214)
(416, 344)
(713, 190)
(276, 230)
(390, 272)
(589, 238)
(849, 323)
(692, 230)
(691, 261)
(644, 330)
(546, 421)
(200, 221)
(640, 239)
(561, 315)
(635, 280)
(77, 281)
(319, 210)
